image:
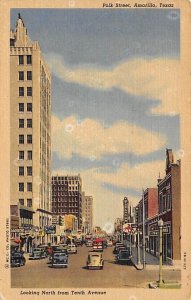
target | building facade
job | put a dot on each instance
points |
(67, 196)
(87, 213)
(30, 96)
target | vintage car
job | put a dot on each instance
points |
(97, 246)
(124, 256)
(44, 249)
(58, 250)
(78, 242)
(118, 246)
(72, 249)
(17, 259)
(109, 243)
(89, 243)
(37, 253)
(95, 261)
(59, 259)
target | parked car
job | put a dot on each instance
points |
(118, 247)
(72, 249)
(37, 253)
(44, 249)
(95, 260)
(59, 259)
(124, 256)
(17, 259)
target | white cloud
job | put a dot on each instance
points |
(91, 139)
(157, 79)
(139, 176)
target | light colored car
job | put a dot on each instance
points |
(37, 253)
(95, 261)
(89, 243)
(72, 249)
(109, 243)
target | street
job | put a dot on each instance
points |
(39, 274)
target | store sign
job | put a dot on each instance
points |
(50, 229)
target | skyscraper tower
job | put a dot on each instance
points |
(30, 96)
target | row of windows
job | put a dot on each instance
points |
(21, 75)
(22, 171)
(164, 202)
(22, 139)
(22, 107)
(64, 182)
(65, 188)
(28, 59)
(22, 155)
(22, 187)
(65, 211)
(22, 123)
(29, 202)
(22, 91)
(65, 194)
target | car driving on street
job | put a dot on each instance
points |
(95, 261)
(59, 259)
(17, 259)
(124, 256)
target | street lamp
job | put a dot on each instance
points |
(138, 247)
(160, 225)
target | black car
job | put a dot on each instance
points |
(64, 251)
(17, 259)
(124, 256)
(59, 259)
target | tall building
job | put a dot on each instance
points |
(67, 196)
(87, 213)
(30, 96)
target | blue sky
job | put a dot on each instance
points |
(114, 103)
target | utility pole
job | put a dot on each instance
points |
(143, 230)
(160, 225)
(138, 248)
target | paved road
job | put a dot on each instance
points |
(39, 274)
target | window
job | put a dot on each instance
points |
(21, 123)
(29, 202)
(21, 107)
(21, 91)
(21, 139)
(29, 75)
(29, 155)
(29, 186)
(29, 59)
(21, 75)
(29, 171)
(29, 123)
(29, 91)
(21, 155)
(21, 60)
(21, 171)
(21, 186)
(29, 107)
(21, 201)
(29, 138)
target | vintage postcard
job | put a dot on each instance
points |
(95, 125)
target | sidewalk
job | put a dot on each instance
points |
(152, 262)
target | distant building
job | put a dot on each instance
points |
(67, 196)
(30, 104)
(87, 213)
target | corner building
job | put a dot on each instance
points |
(30, 96)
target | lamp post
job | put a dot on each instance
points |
(138, 247)
(160, 225)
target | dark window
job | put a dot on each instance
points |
(29, 59)
(29, 123)
(21, 139)
(29, 202)
(21, 75)
(21, 123)
(12, 42)
(29, 138)
(29, 75)
(21, 186)
(29, 91)
(21, 155)
(21, 60)
(21, 91)
(29, 171)
(29, 155)
(29, 186)
(21, 171)
(21, 107)
(29, 107)
(21, 201)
